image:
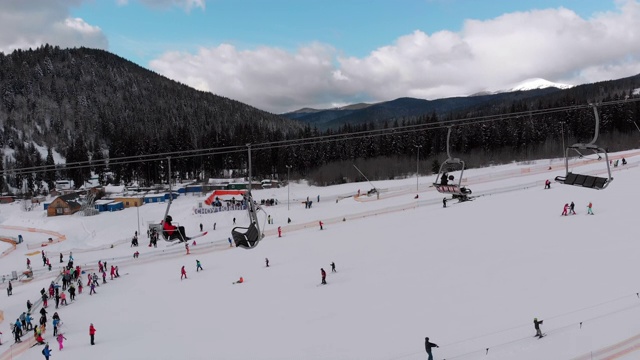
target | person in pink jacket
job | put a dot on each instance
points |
(566, 208)
(60, 339)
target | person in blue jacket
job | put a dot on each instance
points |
(46, 351)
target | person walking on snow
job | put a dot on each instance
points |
(324, 276)
(321, 223)
(279, 231)
(333, 267)
(565, 209)
(444, 202)
(266, 261)
(200, 227)
(60, 339)
(198, 266)
(46, 352)
(186, 246)
(427, 346)
(572, 208)
(92, 333)
(589, 209)
(547, 184)
(9, 289)
(537, 324)
(183, 273)
(230, 244)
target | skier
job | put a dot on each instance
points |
(183, 273)
(234, 221)
(200, 227)
(333, 267)
(9, 289)
(240, 281)
(29, 305)
(589, 208)
(444, 202)
(321, 223)
(269, 219)
(624, 161)
(537, 324)
(198, 266)
(427, 346)
(230, 244)
(288, 220)
(92, 333)
(44, 300)
(63, 299)
(214, 225)
(547, 184)
(55, 323)
(186, 246)
(28, 263)
(60, 339)
(93, 288)
(104, 277)
(61, 259)
(136, 254)
(27, 319)
(72, 292)
(279, 231)
(112, 271)
(572, 207)
(324, 276)
(266, 261)
(46, 351)
(566, 208)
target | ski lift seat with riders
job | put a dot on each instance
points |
(456, 190)
(588, 181)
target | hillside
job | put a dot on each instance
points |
(89, 101)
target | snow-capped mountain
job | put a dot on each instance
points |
(537, 83)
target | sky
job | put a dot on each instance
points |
(406, 269)
(284, 55)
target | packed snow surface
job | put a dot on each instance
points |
(471, 276)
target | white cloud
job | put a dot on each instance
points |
(555, 44)
(187, 5)
(25, 24)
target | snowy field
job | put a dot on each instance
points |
(471, 276)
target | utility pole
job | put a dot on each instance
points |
(288, 186)
(418, 166)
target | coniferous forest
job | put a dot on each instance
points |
(88, 104)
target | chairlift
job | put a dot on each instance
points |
(248, 237)
(588, 181)
(443, 179)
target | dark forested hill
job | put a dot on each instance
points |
(83, 101)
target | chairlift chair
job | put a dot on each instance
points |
(248, 237)
(587, 181)
(442, 184)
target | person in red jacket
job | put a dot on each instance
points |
(92, 333)
(565, 210)
(321, 223)
(279, 231)
(183, 273)
(324, 276)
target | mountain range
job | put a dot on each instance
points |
(409, 107)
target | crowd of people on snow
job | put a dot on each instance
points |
(71, 283)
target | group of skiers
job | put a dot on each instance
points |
(570, 209)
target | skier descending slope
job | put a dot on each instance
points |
(537, 324)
